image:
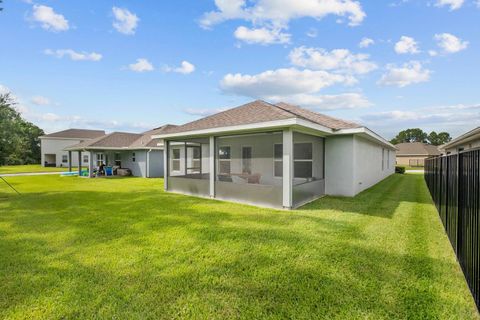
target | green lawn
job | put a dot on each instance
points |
(30, 168)
(73, 248)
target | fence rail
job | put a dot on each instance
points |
(454, 183)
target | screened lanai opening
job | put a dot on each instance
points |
(247, 170)
(188, 166)
(308, 168)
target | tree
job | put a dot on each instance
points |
(19, 139)
(418, 135)
(410, 135)
(439, 139)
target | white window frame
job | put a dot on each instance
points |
(64, 158)
(179, 158)
(134, 157)
(302, 160)
(224, 160)
(100, 157)
(85, 158)
(383, 159)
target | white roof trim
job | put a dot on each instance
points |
(369, 133)
(242, 127)
(277, 124)
(466, 137)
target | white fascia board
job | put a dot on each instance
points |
(60, 138)
(247, 127)
(464, 138)
(369, 133)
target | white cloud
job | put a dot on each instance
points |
(276, 14)
(49, 19)
(453, 4)
(325, 102)
(410, 73)
(40, 101)
(432, 53)
(142, 65)
(125, 21)
(184, 68)
(450, 43)
(281, 12)
(406, 45)
(454, 118)
(74, 55)
(263, 36)
(281, 82)
(339, 60)
(203, 112)
(366, 42)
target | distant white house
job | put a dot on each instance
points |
(467, 141)
(53, 145)
(141, 154)
(275, 155)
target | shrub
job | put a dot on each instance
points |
(399, 169)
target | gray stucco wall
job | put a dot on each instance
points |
(155, 164)
(368, 166)
(339, 171)
(353, 164)
(138, 166)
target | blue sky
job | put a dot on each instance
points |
(133, 65)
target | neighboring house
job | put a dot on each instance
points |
(138, 152)
(275, 155)
(469, 140)
(413, 154)
(53, 145)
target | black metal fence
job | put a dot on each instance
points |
(454, 183)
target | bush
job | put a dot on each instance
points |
(399, 169)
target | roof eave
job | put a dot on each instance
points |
(268, 125)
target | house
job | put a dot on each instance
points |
(52, 146)
(138, 152)
(413, 154)
(467, 141)
(274, 155)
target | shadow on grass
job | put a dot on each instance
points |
(380, 200)
(149, 254)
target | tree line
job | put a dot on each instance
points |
(19, 139)
(418, 135)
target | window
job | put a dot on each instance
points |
(194, 159)
(176, 159)
(85, 158)
(133, 156)
(277, 160)
(64, 158)
(247, 160)
(303, 160)
(100, 158)
(388, 159)
(224, 157)
(383, 159)
(118, 159)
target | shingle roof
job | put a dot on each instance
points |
(261, 111)
(76, 133)
(417, 148)
(327, 121)
(146, 139)
(123, 140)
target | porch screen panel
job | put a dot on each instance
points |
(245, 169)
(188, 167)
(308, 168)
